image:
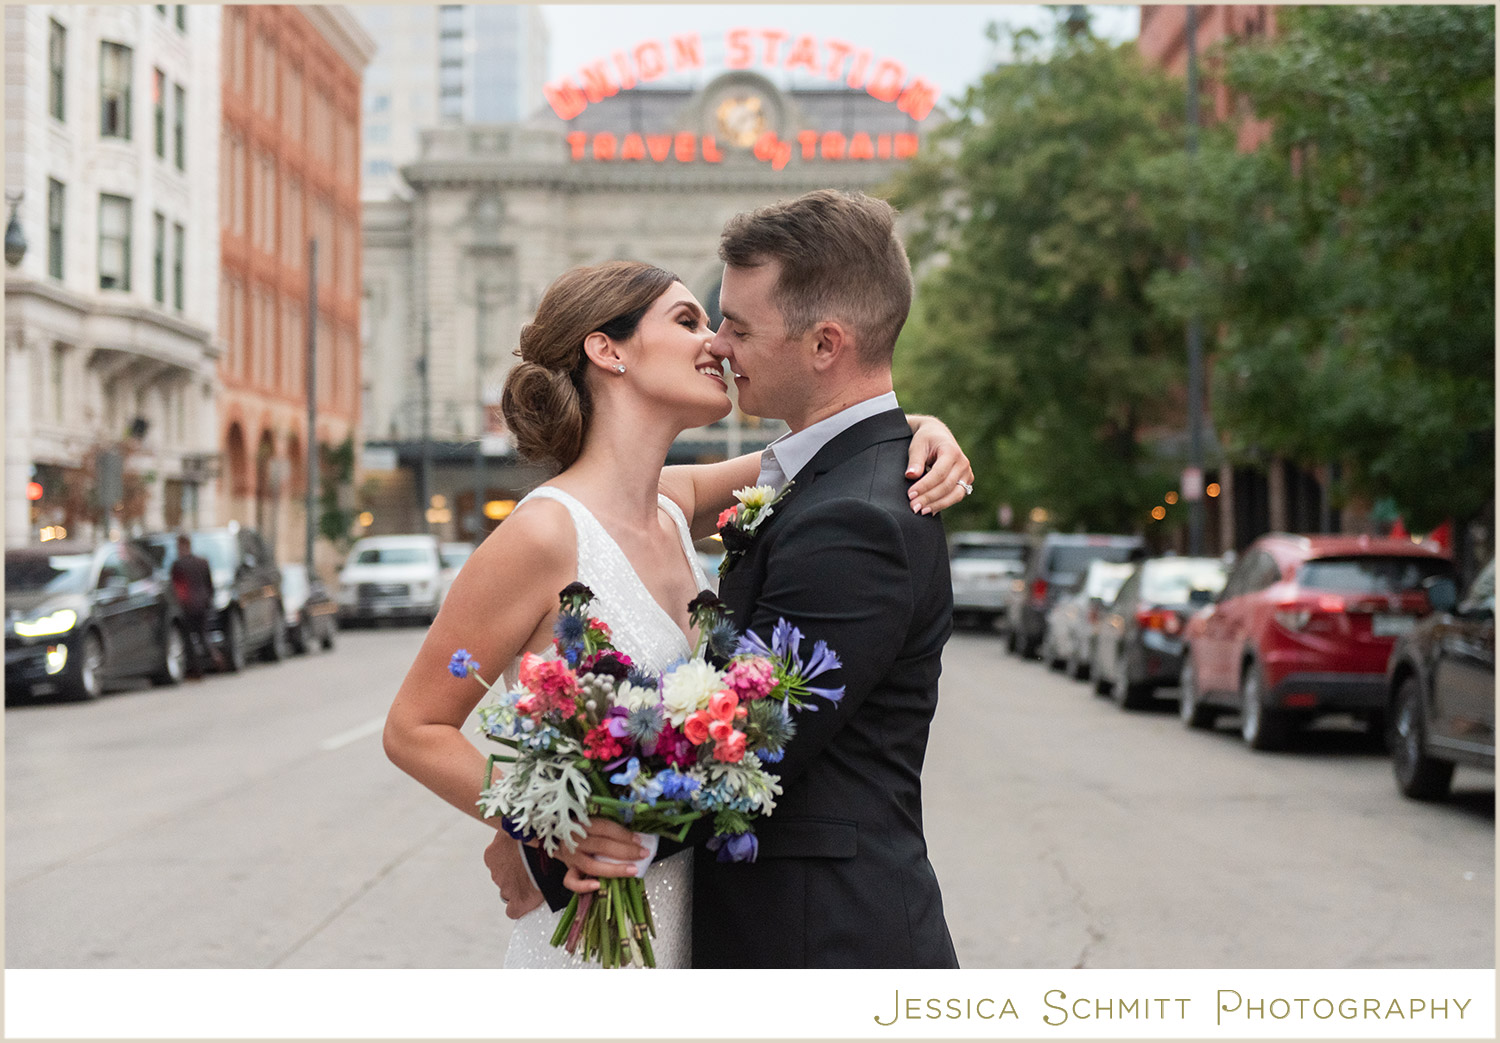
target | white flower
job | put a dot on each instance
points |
(755, 497)
(688, 688)
(636, 697)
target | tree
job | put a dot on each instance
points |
(1031, 333)
(1349, 263)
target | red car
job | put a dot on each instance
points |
(1304, 626)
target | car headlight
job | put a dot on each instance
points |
(423, 588)
(221, 599)
(59, 622)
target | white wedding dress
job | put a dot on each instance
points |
(641, 628)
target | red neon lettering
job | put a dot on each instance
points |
(660, 146)
(840, 52)
(627, 80)
(711, 150)
(809, 142)
(906, 145)
(834, 144)
(576, 142)
(688, 51)
(687, 148)
(650, 61)
(739, 54)
(632, 147)
(604, 145)
(773, 38)
(860, 147)
(857, 74)
(805, 54)
(565, 98)
(783, 155)
(885, 85)
(765, 146)
(883, 146)
(918, 99)
(596, 82)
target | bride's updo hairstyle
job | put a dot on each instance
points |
(546, 401)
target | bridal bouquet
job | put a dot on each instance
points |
(592, 734)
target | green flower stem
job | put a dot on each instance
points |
(565, 922)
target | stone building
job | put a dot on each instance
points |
(498, 212)
(289, 153)
(111, 115)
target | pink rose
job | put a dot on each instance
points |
(722, 704)
(720, 731)
(696, 727)
(726, 516)
(732, 749)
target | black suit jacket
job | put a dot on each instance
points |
(842, 878)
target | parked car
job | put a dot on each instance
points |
(1139, 644)
(248, 613)
(1072, 624)
(1057, 567)
(1304, 627)
(311, 615)
(391, 577)
(79, 616)
(452, 556)
(1440, 689)
(986, 567)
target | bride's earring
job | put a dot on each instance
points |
(619, 369)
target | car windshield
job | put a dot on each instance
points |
(1105, 579)
(1370, 575)
(391, 556)
(1072, 561)
(47, 574)
(452, 559)
(1173, 582)
(989, 551)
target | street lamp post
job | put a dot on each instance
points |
(1193, 487)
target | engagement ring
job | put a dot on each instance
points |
(966, 487)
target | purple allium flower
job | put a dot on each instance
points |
(461, 663)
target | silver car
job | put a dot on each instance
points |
(986, 566)
(1073, 623)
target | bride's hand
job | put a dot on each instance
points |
(936, 451)
(586, 862)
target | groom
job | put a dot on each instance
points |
(815, 292)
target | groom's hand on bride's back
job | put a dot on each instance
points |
(508, 870)
(605, 840)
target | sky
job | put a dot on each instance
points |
(944, 43)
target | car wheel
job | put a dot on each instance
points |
(1418, 775)
(234, 642)
(299, 637)
(89, 683)
(1261, 727)
(1127, 696)
(329, 632)
(1190, 706)
(173, 658)
(278, 648)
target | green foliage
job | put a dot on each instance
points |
(1031, 334)
(1349, 263)
(335, 472)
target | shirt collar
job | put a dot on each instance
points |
(795, 449)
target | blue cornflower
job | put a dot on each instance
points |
(461, 663)
(627, 775)
(770, 756)
(675, 785)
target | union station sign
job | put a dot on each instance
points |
(744, 114)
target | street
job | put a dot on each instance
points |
(253, 821)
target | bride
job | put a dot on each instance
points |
(615, 365)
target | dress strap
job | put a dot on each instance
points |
(686, 535)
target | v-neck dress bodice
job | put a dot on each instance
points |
(640, 627)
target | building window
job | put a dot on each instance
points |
(159, 258)
(179, 245)
(114, 242)
(57, 48)
(159, 110)
(179, 127)
(59, 382)
(181, 16)
(114, 90)
(56, 202)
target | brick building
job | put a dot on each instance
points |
(289, 157)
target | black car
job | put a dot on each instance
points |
(1139, 644)
(78, 616)
(248, 616)
(1055, 570)
(1441, 689)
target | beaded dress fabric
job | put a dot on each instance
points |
(642, 628)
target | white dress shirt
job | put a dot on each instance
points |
(784, 458)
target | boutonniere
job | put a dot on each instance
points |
(739, 524)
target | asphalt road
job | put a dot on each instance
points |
(252, 821)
